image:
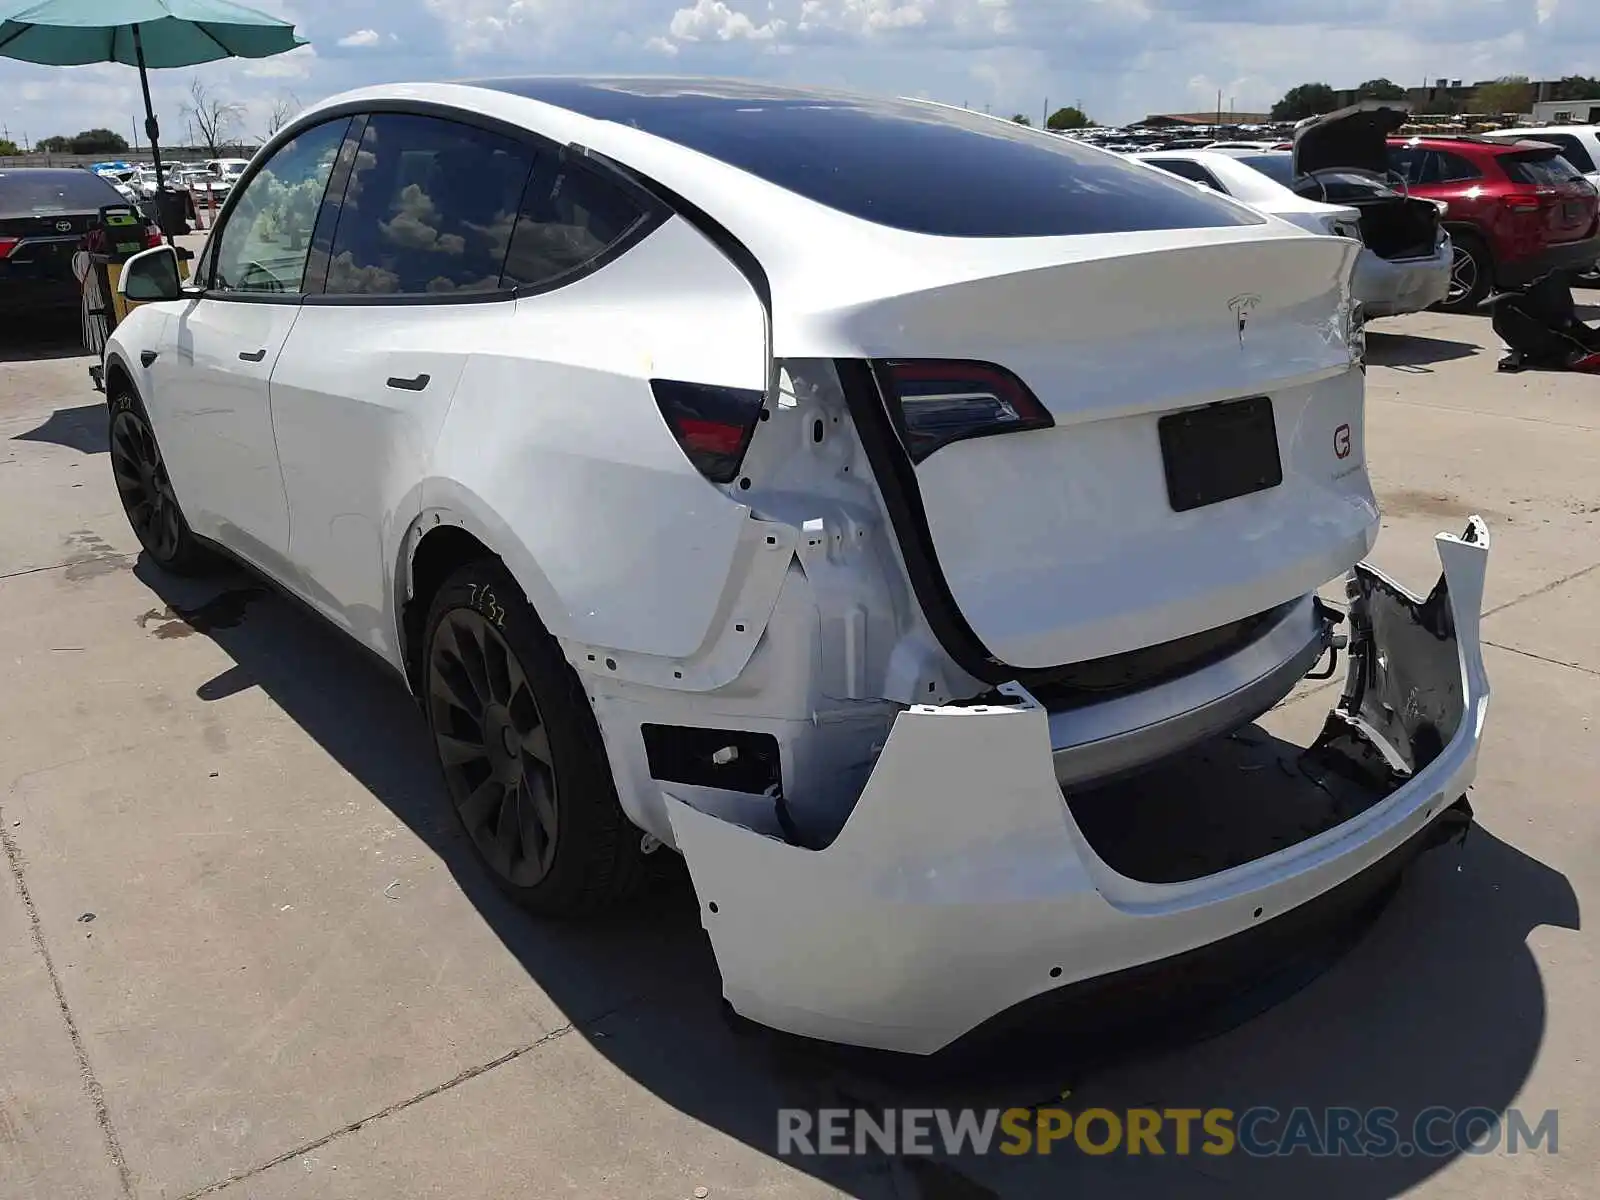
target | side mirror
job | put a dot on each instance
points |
(151, 275)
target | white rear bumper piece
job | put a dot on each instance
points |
(961, 886)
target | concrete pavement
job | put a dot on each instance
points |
(244, 953)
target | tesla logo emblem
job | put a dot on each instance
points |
(1241, 307)
(1341, 442)
(64, 226)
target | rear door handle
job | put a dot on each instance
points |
(409, 385)
(146, 357)
(257, 356)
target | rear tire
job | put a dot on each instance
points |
(1471, 274)
(145, 489)
(520, 751)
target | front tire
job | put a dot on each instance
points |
(521, 754)
(1471, 274)
(145, 489)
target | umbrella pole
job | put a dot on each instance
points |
(151, 129)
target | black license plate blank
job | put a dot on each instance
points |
(1220, 452)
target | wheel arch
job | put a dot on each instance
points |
(453, 528)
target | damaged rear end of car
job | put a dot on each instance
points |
(1027, 513)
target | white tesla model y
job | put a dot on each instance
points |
(838, 492)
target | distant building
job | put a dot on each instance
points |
(1566, 112)
(1171, 120)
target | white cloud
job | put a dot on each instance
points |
(361, 37)
(713, 20)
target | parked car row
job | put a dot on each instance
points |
(1444, 220)
(837, 491)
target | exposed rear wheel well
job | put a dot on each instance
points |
(441, 552)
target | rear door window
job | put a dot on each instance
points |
(429, 210)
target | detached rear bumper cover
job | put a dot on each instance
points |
(960, 881)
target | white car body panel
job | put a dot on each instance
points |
(214, 407)
(788, 602)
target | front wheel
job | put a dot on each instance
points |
(520, 750)
(1471, 274)
(146, 491)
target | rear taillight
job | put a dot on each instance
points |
(1522, 201)
(7, 245)
(712, 424)
(152, 237)
(939, 401)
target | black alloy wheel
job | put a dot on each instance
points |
(494, 747)
(147, 495)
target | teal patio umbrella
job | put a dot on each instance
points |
(140, 33)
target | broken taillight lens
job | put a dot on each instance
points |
(939, 401)
(712, 424)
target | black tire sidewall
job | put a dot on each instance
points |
(190, 557)
(597, 848)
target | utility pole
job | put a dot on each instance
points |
(1044, 122)
(1219, 106)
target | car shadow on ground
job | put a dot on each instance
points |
(1406, 350)
(1439, 1003)
(34, 339)
(85, 429)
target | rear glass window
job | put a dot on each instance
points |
(1337, 187)
(55, 191)
(1571, 148)
(1277, 167)
(1188, 169)
(898, 163)
(1538, 168)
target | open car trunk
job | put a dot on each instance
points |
(1400, 227)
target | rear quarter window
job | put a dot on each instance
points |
(911, 166)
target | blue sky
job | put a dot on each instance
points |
(1120, 58)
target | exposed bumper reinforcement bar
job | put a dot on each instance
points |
(961, 887)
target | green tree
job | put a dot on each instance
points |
(1508, 94)
(1306, 100)
(8, 147)
(1380, 89)
(1068, 118)
(1576, 87)
(1020, 119)
(99, 141)
(54, 145)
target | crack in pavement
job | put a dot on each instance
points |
(91, 1083)
(1540, 591)
(400, 1106)
(1554, 662)
(61, 566)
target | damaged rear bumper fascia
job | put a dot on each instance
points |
(961, 887)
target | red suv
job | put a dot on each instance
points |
(1516, 210)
